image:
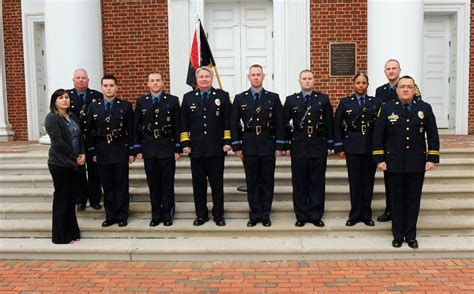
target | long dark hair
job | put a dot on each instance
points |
(54, 97)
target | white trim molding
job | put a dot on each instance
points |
(462, 11)
(291, 30)
(29, 22)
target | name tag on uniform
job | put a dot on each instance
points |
(349, 111)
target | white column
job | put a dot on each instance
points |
(73, 32)
(291, 27)
(181, 24)
(6, 133)
(395, 30)
(178, 40)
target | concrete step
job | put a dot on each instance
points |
(237, 248)
(239, 210)
(451, 177)
(282, 193)
(231, 167)
(39, 154)
(139, 228)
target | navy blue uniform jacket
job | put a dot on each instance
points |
(205, 126)
(318, 118)
(353, 125)
(269, 118)
(119, 126)
(400, 140)
(79, 108)
(157, 130)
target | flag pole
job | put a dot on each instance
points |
(218, 77)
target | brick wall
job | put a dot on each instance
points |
(14, 68)
(337, 21)
(135, 43)
(471, 76)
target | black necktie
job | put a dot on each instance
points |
(306, 98)
(107, 108)
(406, 108)
(361, 101)
(204, 97)
(83, 100)
(155, 101)
(390, 92)
(256, 96)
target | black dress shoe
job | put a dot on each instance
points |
(397, 243)
(266, 222)
(300, 223)
(154, 223)
(385, 217)
(318, 223)
(369, 223)
(81, 207)
(252, 223)
(107, 223)
(220, 221)
(199, 221)
(351, 222)
(242, 188)
(123, 223)
(413, 243)
(167, 223)
(97, 206)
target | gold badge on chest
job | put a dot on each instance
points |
(217, 102)
(393, 117)
(421, 115)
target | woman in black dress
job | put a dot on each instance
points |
(66, 157)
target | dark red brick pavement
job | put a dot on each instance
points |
(391, 276)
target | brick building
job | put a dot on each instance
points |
(43, 41)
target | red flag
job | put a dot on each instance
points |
(201, 55)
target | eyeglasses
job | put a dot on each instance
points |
(410, 87)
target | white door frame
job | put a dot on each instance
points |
(291, 31)
(462, 12)
(30, 74)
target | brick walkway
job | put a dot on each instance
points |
(407, 276)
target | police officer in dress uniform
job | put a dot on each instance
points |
(110, 141)
(156, 130)
(262, 139)
(308, 115)
(205, 136)
(353, 130)
(386, 93)
(400, 149)
(81, 96)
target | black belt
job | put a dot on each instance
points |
(158, 133)
(360, 129)
(110, 137)
(256, 129)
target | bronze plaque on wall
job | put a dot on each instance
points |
(342, 58)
